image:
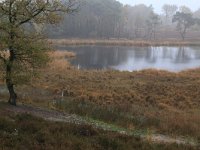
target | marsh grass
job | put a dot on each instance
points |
(56, 54)
(123, 42)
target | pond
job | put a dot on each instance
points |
(173, 59)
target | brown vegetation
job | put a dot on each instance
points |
(158, 100)
(124, 42)
(61, 54)
(59, 60)
(24, 131)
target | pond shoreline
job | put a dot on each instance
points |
(133, 58)
(123, 42)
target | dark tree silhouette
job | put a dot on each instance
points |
(184, 22)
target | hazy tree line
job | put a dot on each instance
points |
(111, 19)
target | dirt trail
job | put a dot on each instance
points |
(52, 115)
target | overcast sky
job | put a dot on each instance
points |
(157, 4)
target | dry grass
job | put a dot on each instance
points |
(185, 122)
(123, 42)
(160, 100)
(166, 101)
(24, 131)
(59, 60)
(61, 54)
(4, 54)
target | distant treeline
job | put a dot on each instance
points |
(110, 19)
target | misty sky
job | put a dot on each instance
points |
(157, 4)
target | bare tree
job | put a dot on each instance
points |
(184, 22)
(152, 24)
(185, 9)
(169, 11)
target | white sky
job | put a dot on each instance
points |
(157, 4)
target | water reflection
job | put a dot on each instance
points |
(136, 58)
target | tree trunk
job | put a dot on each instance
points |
(13, 96)
(183, 36)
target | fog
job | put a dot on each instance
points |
(112, 19)
(157, 4)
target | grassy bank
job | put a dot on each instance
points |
(24, 131)
(123, 42)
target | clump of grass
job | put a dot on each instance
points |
(180, 123)
(108, 114)
(59, 60)
(61, 54)
(4, 54)
(61, 64)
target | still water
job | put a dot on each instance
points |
(135, 58)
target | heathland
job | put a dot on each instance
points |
(148, 102)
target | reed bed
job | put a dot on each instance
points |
(123, 42)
